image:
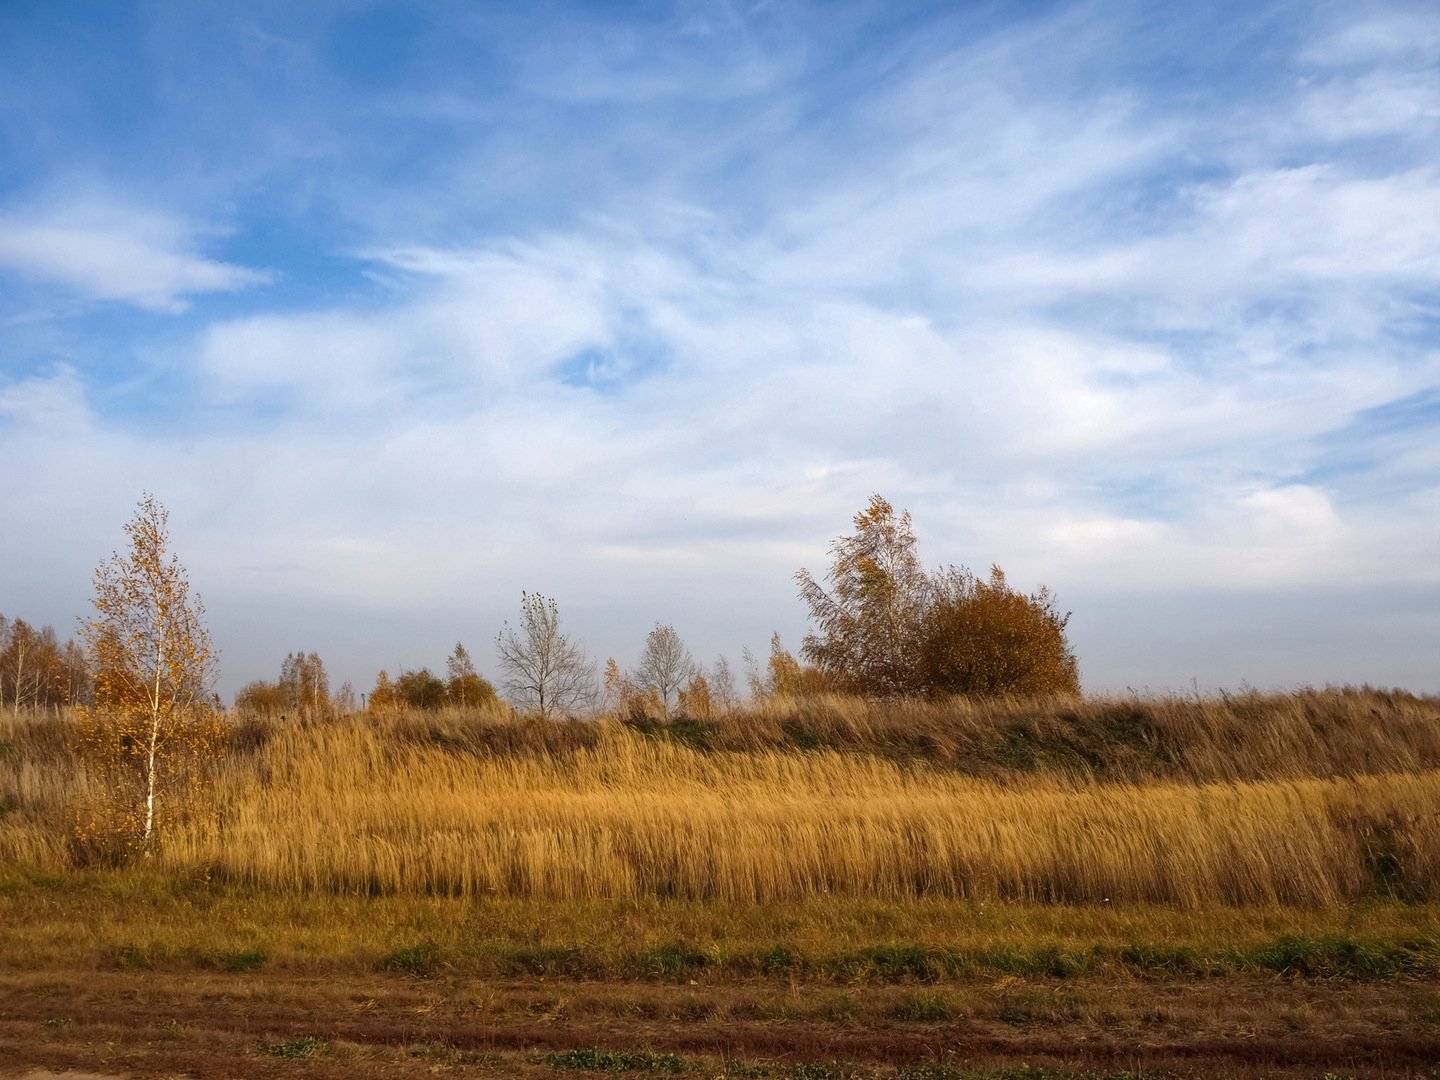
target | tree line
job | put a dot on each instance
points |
(37, 671)
(149, 725)
(884, 626)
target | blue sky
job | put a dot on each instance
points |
(402, 308)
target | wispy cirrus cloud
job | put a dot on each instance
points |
(105, 251)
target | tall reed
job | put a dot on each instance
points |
(1314, 798)
(341, 808)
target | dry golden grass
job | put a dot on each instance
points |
(1308, 799)
(340, 808)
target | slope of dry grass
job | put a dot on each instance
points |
(1314, 798)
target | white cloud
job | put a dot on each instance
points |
(53, 403)
(1380, 103)
(461, 326)
(106, 251)
(1385, 36)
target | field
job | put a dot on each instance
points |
(1240, 886)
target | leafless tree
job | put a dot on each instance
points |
(665, 664)
(543, 669)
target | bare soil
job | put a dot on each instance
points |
(264, 1024)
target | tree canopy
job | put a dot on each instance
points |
(886, 628)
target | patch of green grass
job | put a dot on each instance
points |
(822, 1070)
(740, 1070)
(696, 734)
(235, 961)
(1166, 960)
(843, 1008)
(778, 961)
(925, 1005)
(421, 960)
(568, 961)
(894, 962)
(672, 960)
(1345, 958)
(306, 1046)
(1017, 1009)
(597, 1060)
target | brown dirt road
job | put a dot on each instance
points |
(279, 1024)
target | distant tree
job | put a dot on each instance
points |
(29, 666)
(344, 700)
(870, 618)
(464, 685)
(543, 669)
(304, 684)
(384, 697)
(7, 635)
(421, 690)
(261, 697)
(36, 671)
(786, 677)
(152, 737)
(627, 698)
(303, 689)
(722, 684)
(665, 664)
(984, 639)
(76, 686)
(695, 700)
(886, 628)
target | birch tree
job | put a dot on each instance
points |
(869, 620)
(543, 669)
(665, 665)
(152, 736)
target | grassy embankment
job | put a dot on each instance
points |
(1313, 800)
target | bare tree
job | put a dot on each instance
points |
(665, 664)
(722, 683)
(544, 670)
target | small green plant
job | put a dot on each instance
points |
(236, 961)
(778, 960)
(843, 1008)
(900, 961)
(615, 1061)
(672, 960)
(420, 960)
(739, 1070)
(925, 1005)
(306, 1046)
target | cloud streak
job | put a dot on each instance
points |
(113, 253)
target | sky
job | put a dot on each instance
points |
(403, 308)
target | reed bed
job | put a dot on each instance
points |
(342, 809)
(811, 800)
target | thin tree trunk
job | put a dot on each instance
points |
(154, 742)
